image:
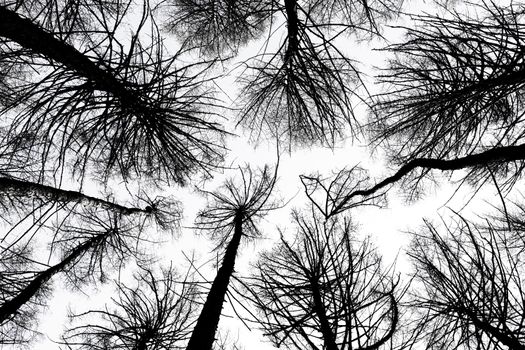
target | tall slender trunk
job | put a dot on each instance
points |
(30, 36)
(320, 310)
(9, 184)
(293, 27)
(12, 306)
(203, 334)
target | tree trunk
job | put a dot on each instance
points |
(504, 338)
(12, 306)
(320, 311)
(30, 36)
(25, 188)
(293, 27)
(203, 334)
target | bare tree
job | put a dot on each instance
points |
(15, 274)
(157, 314)
(325, 290)
(218, 27)
(91, 241)
(128, 107)
(469, 288)
(455, 90)
(300, 94)
(231, 215)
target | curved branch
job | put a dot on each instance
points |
(496, 154)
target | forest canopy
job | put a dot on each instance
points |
(230, 174)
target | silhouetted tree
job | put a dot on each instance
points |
(91, 241)
(157, 314)
(15, 274)
(325, 290)
(469, 287)
(129, 107)
(218, 27)
(455, 90)
(231, 215)
(300, 93)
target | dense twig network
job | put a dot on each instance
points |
(129, 108)
(157, 314)
(471, 287)
(325, 290)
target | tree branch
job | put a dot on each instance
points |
(496, 154)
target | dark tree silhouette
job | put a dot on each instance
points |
(157, 314)
(218, 27)
(91, 241)
(126, 106)
(300, 94)
(15, 274)
(326, 290)
(231, 215)
(455, 92)
(335, 194)
(469, 287)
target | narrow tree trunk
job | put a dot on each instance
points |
(12, 306)
(30, 36)
(502, 337)
(320, 311)
(203, 334)
(293, 27)
(8, 184)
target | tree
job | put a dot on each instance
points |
(301, 92)
(454, 92)
(156, 314)
(325, 290)
(470, 288)
(124, 106)
(452, 103)
(120, 96)
(232, 213)
(91, 241)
